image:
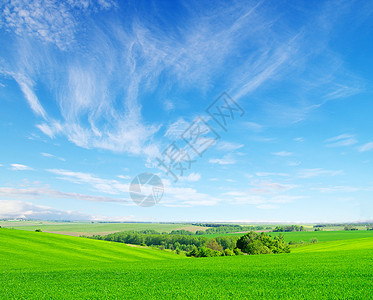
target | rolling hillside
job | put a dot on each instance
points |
(49, 266)
(39, 250)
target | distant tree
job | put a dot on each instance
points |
(207, 252)
(38, 230)
(212, 244)
(228, 252)
(350, 227)
(237, 251)
(254, 243)
(314, 240)
(289, 228)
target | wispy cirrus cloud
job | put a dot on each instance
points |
(266, 174)
(176, 196)
(260, 187)
(16, 209)
(11, 209)
(341, 189)
(108, 186)
(342, 140)
(309, 173)
(50, 21)
(177, 128)
(52, 156)
(44, 192)
(259, 200)
(192, 177)
(366, 147)
(283, 153)
(227, 146)
(225, 160)
(256, 127)
(20, 167)
(107, 69)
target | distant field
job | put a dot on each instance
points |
(47, 266)
(322, 236)
(88, 228)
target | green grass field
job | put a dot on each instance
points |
(322, 236)
(88, 228)
(49, 266)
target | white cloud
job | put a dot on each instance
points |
(176, 129)
(19, 167)
(265, 174)
(107, 186)
(52, 156)
(43, 192)
(15, 209)
(100, 100)
(299, 139)
(227, 146)
(343, 91)
(225, 160)
(253, 126)
(175, 196)
(168, 105)
(51, 130)
(309, 173)
(125, 177)
(50, 21)
(283, 153)
(19, 209)
(31, 98)
(366, 147)
(192, 177)
(342, 140)
(260, 187)
(341, 189)
(250, 197)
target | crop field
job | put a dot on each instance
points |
(322, 236)
(37, 265)
(88, 228)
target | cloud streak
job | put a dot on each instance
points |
(19, 167)
(43, 192)
(107, 68)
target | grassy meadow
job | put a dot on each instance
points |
(90, 228)
(38, 265)
(322, 236)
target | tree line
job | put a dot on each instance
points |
(199, 246)
(289, 228)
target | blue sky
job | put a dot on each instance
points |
(93, 92)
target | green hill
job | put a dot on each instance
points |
(39, 250)
(49, 266)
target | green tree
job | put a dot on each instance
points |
(212, 244)
(254, 243)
